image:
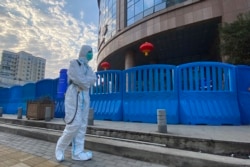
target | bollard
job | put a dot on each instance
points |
(1, 111)
(161, 120)
(19, 113)
(91, 116)
(47, 113)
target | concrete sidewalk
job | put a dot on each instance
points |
(225, 133)
(184, 144)
(19, 151)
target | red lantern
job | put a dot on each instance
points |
(105, 65)
(146, 48)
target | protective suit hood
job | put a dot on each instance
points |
(85, 54)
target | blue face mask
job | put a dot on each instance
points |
(89, 56)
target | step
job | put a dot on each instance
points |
(150, 152)
(220, 147)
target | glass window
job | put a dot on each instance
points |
(138, 17)
(148, 4)
(148, 11)
(107, 19)
(159, 1)
(130, 12)
(160, 6)
(114, 11)
(130, 21)
(130, 2)
(137, 9)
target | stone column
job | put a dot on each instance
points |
(129, 62)
(161, 120)
(121, 14)
(91, 116)
(47, 116)
(1, 111)
(19, 112)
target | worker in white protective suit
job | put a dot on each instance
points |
(77, 100)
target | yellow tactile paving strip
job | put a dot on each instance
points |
(10, 157)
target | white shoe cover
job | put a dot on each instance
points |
(83, 156)
(59, 155)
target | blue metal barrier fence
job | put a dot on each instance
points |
(207, 94)
(243, 84)
(210, 93)
(106, 95)
(148, 88)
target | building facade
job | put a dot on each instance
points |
(21, 66)
(8, 64)
(30, 68)
(181, 31)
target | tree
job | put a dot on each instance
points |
(235, 40)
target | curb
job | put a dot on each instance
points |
(239, 149)
(135, 150)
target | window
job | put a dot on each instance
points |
(160, 6)
(130, 12)
(107, 19)
(148, 4)
(137, 9)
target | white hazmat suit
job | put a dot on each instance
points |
(77, 101)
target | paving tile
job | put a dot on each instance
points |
(20, 165)
(47, 164)
(19, 151)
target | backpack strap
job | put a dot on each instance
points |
(79, 63)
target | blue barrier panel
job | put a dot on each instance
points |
(62, 83)
(28, 93)
(207, 94)
(61, 90)
(106, 96)
(59, 108)
(243, 86)
(55, 88)
(15, 100)
(46, 88)
(148, 88)
(4, 98)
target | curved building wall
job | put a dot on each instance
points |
(175, 20)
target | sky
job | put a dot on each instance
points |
(51, 29)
